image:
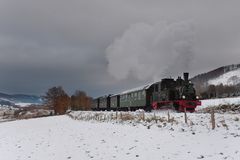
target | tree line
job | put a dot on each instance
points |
(218, 91)
(58, 100)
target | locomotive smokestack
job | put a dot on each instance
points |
(186, 75)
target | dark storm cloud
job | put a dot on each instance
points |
(58, 42)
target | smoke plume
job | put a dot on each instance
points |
(150, 52)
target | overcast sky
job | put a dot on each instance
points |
(105, 46)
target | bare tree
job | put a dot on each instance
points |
(58, 99)
(80, 101)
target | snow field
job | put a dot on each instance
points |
(216, 102)
(63, 138)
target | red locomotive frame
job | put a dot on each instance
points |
(190, 105)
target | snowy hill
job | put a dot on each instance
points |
(18, 99)
(208, 85)
(226, 75)
(228, 78)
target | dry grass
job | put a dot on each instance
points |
(126, 117)
(123, 116)
(147, 119)
(223, 122)
(231, 108)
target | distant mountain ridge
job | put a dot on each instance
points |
(19, 99)
(219, 83)
(218, 75)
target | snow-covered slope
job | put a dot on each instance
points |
(216, 102)
(228, 78)
(62, 138)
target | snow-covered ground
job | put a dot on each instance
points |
(63, 138)
(216, 102)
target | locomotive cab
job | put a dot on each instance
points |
(164, 90)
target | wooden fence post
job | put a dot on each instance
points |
(143, 116)
(185, 115)
(168, 116)
(213, 119)
(120, 115)
(154, 116)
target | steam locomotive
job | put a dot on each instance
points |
(176, 94)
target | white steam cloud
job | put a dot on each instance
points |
(150, 52)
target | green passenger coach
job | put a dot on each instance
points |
(135, 98)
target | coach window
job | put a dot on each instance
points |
(139, 95)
